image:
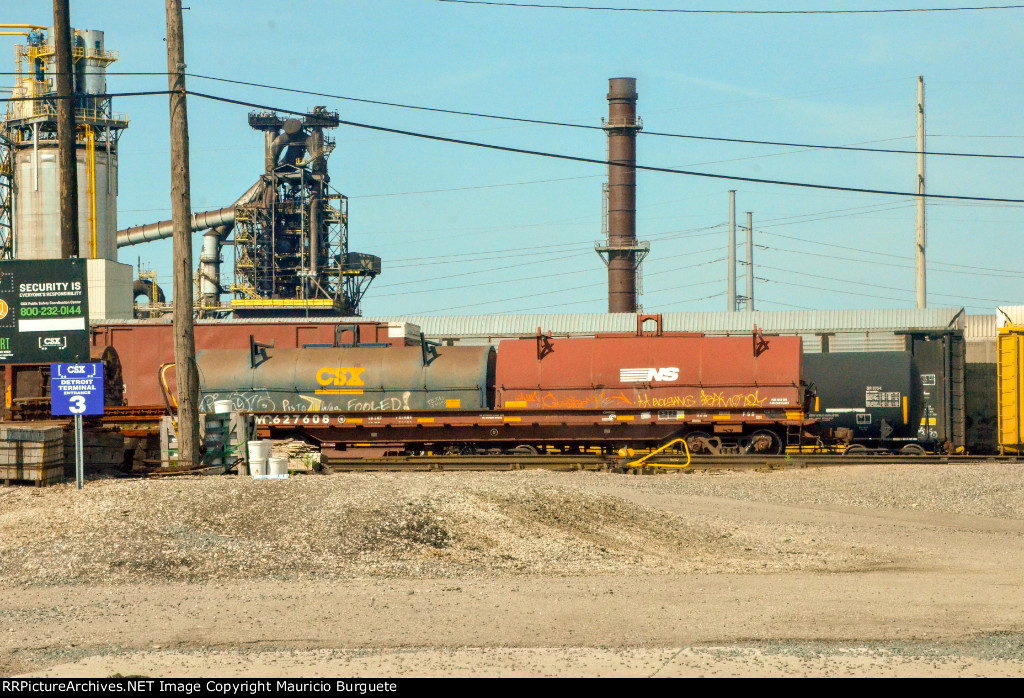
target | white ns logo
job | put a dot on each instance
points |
(647, 375)
(664, 374)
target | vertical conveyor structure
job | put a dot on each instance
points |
(291, 238)
(29, 174)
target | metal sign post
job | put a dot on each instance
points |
(76, 390)
(79, 454)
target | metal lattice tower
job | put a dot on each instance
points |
(6, 199)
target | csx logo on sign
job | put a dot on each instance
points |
(340, 376)
(648, 375)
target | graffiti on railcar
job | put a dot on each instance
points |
(645, 401)
(551, 401)
(387, 404)
(705, 399)
(249, 400)
(753, 399)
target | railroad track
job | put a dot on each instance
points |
(656, 464)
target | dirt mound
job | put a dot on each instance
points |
(359, 525)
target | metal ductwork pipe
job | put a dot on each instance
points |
(315, 147)
(148, 289)
(292, 130)
(314, 239)
(622, 127)
(209, 264)
(165, 229)
(200, 221)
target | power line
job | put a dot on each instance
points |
(871, 295)
(608, 163)
(532, 250)
(543, 122)
(574, 288)
(732, 12)
(105, 95)
(864, 283)
(561, 273)
(975, 270)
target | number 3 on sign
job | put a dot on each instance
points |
(77, 404)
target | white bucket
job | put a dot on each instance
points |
(222, 406)
(277, 466)
(259, 450)
(257, 467)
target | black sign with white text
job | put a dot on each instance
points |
(44, 316)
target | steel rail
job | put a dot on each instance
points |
(596, 463)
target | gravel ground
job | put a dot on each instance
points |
(359, 525)
(978, 489)
(887, 570)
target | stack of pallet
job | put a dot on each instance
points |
(32, 452)
(103, 451)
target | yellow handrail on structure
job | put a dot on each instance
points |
(90, 149)
(642, 461)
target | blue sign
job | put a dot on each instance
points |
(76, 389)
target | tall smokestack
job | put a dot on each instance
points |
(624, 254)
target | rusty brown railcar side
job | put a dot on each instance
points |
(144, 346)
(628, 372)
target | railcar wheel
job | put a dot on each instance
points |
(524, 450)
(764, 442)
(912, 450)
(696, 441)
(855, 450)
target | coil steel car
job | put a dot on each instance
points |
(724, 394)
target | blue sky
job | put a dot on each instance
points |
(465, 230)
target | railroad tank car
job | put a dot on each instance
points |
(869, 399)
(886, 401)
(358, 379)
(145, 345)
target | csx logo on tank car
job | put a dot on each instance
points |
(340, 376)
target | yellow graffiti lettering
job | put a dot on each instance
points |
(753, 399)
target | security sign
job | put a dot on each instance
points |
(43, 311)
(76, 389)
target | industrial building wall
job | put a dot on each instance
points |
(110, 290)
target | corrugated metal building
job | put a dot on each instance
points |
(829, 330)
(1009, 315)
(980, 335)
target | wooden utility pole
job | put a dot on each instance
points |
(922, 299)
(181, 213)
(66, 131)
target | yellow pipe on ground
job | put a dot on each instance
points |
(640, 462)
